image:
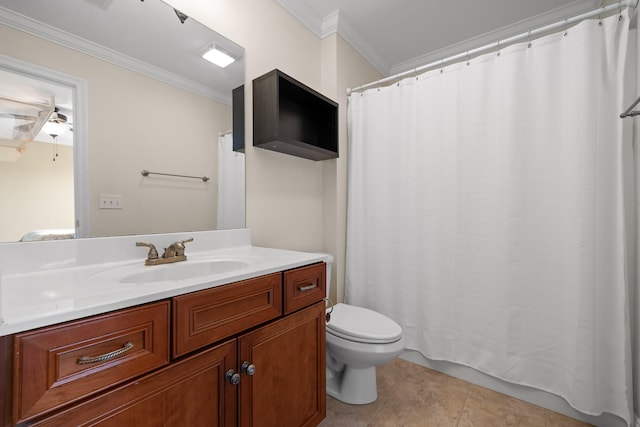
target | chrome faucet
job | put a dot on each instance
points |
(173, 253)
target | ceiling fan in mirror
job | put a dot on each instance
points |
(56, 126)
(22, 120)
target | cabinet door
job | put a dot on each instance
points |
(288, 386)
(192, 392)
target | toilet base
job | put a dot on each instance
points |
(356, 386)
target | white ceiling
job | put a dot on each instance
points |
(400, 35)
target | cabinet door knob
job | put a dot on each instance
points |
(248, 368)
(232, 377)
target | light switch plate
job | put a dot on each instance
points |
(110, 201)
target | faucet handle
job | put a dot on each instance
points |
(153, 252)
(182, 242)
(180, 246)
(176, 249)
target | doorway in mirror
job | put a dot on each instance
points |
(40, 137)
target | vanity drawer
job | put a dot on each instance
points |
(204, 317)
(304, 286)
(60, 364)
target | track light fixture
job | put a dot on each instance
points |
(181, 16)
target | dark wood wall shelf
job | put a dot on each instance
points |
(292, 118)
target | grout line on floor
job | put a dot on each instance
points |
(384, 402)
(464, 403)
(375, 414)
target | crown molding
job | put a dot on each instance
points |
(353, 37)
(55, 35)
(331, 24)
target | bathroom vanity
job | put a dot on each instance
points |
(222, 348)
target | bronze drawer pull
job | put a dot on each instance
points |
(307, 288)
(87, 359)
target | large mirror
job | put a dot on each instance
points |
(126, 83)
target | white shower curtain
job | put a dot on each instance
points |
(485, 214)
(231, 185)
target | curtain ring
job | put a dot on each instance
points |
(498, 46)
(529, 44)
(566, 30)
(441, 66)
(620, 18)
(468, 61)
(415, 72)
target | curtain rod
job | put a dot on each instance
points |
(507, 41)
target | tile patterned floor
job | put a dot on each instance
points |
(411, 395)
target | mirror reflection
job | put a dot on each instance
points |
(124, 87)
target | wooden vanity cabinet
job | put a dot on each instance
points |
(214, 332)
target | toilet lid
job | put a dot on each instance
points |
(362, 325)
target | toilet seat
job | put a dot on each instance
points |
(362, 325)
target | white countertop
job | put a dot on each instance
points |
(34, 295)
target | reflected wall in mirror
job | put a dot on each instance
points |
(151, 102)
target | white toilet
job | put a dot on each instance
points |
(358, 339)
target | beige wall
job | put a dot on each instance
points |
(136, 123)
(37, 193)
(292, 203)
(181, 137)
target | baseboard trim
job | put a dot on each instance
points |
(537, 397)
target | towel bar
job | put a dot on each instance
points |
(147, 173)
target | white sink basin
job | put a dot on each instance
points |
(179, 271)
